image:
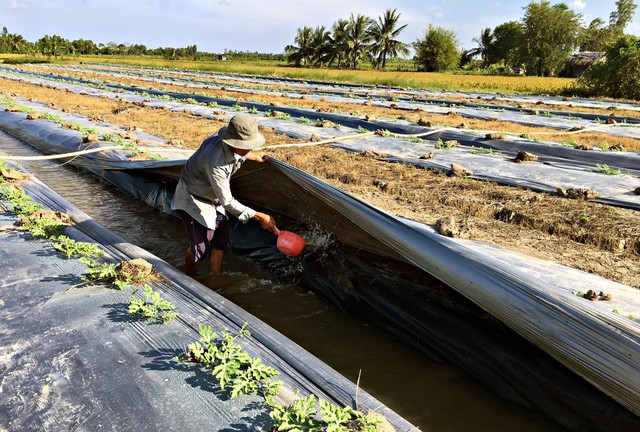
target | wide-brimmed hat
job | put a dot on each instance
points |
(242, 133)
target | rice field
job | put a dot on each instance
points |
(413, 80)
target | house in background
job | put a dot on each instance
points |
(581, 61)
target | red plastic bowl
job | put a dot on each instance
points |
(289, 243)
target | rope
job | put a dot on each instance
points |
(379, 132)
(76, 154)
(309, 144)
(360, 135)
(61, 155)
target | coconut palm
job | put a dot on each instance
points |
(337, 44)
(301, 54)
(385, 38)
(358, 38)
(484, 46)
(320, 45)
(16, 43)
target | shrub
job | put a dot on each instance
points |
(619, 75)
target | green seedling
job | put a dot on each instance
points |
(153, 306)
(414, 139)
(106, 272)
(303, 120)
(346, 419)
(570, 141)
(482, 150)
(336, 418)
(99, 271)
(230, 364)
(583, 218)
(442, 145)
(606, 169)
(72, 248)
(41, 226)
(299, 416)
(20, 202)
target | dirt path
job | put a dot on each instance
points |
(596, 238)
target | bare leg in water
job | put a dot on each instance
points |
(188, 262)
(215, 261)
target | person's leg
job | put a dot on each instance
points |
(189, 261)
(215, 260)
(200, 241)
(219, 243)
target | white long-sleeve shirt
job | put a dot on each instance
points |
(205, 184)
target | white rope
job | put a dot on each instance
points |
(360, 135)
(61, 155)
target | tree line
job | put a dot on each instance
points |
(57, 46)
(540, 43)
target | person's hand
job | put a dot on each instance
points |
(267, 222)
(257, 156)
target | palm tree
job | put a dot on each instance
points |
(384, 34)
(301, 54)
(484, 46)
(16, 43)
(358, 38)
(320, 45)
(337, 43)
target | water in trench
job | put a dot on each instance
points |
(431, 395)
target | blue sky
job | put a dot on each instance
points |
(257, 25)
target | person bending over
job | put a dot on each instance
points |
(203, 194)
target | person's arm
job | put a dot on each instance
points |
(257, 156)
(220, 184)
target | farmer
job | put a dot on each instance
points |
(203, 195)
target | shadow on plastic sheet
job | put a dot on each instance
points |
(260, 422)
(71, 279)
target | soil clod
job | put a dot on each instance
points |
(495, 136)
(524, 156)
(460, 171)
(447, 226)
(582, 194)
(137, 269)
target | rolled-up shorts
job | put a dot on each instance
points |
(204, 239)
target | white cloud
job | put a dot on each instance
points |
(578, 4)
(439, 14)
(19, 4)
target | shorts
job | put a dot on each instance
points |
(204, 239)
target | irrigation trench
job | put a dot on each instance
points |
(597, 345)
(93, 361)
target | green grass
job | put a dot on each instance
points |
(403, 76)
